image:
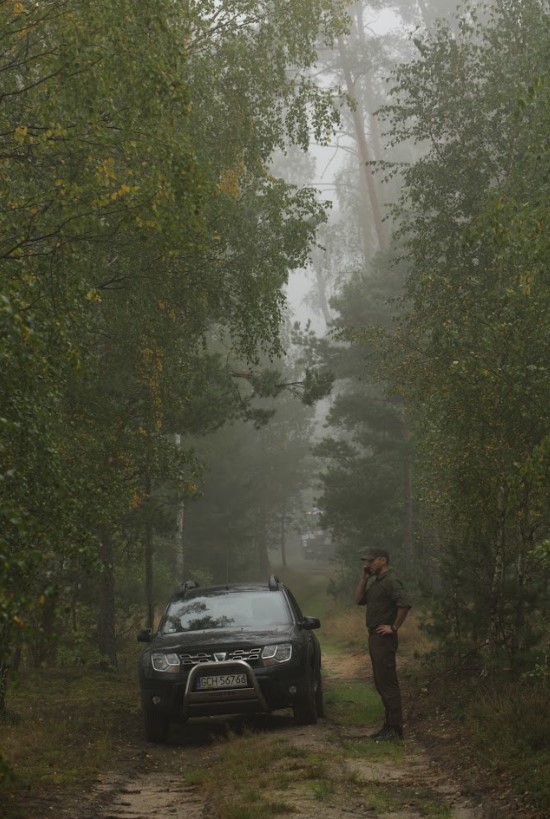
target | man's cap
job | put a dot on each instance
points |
(374, 552)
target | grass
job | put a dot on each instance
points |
(342, 626)
(507, 724)
(243, 810)
(510, 730)
(503, 725)
(197, 777)
(353, 704)
(274, 764)
(63, 727)
(395, 797)
(322, 789)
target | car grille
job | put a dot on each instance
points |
(249, 655)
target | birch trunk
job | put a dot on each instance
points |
(369, 190)
(495, 599)
(106, 627)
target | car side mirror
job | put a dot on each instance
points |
(144, 636)
(311, 623)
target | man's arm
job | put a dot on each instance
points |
(399, 620)
(361, 586)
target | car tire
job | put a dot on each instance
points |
(305, 707)
(157, 726)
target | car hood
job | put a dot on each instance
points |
(220, 637)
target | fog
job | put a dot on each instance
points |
(273, 274)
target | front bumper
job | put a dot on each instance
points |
(267, 689)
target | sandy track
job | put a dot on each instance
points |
(408, 785)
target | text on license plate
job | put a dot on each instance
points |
(222, 681)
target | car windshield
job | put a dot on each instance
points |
(227, 610)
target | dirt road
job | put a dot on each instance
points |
(416, 787)
(358, 776)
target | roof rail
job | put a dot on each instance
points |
(273, 582)
(189, 584)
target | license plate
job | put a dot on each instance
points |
(222, 681)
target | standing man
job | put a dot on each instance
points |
(387, 606)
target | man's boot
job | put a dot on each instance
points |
(390, 733)
(379, 733)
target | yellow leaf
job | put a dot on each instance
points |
(20, 133)
(93, 295)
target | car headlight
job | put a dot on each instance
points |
(165, 662)
(277, 654)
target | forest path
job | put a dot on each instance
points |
(384, 784)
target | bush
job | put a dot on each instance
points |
(510, 725)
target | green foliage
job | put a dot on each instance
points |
(505, 723)
(354, 704)
(42, 732)
(364, 454)
(97, 186)
(474, 343)
(141, 231)
(317, 385)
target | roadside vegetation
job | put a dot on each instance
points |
(158, 415)
(64, 728)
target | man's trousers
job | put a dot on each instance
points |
(382, 650)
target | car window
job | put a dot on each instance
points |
(226, 611)
(296, 608)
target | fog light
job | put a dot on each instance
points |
(156, 700)
(292, 689)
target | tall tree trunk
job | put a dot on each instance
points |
(520, 627)
(408, 496)
(261, 542)
(8, 663)
(378, 150)
(179, 542)
(149, 602)
(149, 549)
(283, 538)
(368, 182)
(106, 629)
(44, 644)
(427, 17)
(322, 288)
(3, 685)
(495, 598)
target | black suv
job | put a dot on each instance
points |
(235, 649)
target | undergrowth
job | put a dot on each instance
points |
(505, 724)
(63, 726)
(509, 723)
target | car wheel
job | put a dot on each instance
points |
(319, 701)
(157, 726)
(305, 707)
